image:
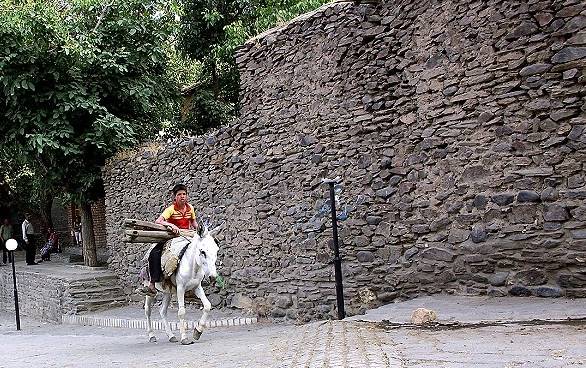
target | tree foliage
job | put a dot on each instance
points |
(80, 80)
(210, 32)
(22, 188)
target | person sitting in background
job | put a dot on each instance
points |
(51, 246)
(54, 237)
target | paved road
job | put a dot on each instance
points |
(349, 344)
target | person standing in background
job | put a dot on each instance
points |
(5, 234)
(77, 230)
(30, 239)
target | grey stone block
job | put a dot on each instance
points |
(503, 199)
(498, 278)
(519, 291)
(528, 196)
(530, 277)
(547, 292)
(438, 254)
(478, 234)
(555, 212)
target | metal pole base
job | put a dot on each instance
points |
(15, 292)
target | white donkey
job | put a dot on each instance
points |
(198, 261)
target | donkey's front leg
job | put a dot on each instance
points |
(207, 306)
(163, 312)
(148, 305)
(181, 313)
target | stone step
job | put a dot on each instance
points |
(97, 301)
(95, 289)
(97, 293)
(94, 282)
(91, 305)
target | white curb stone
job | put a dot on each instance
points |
(157, 325)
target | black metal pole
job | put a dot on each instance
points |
(337, 259)
(15, 292)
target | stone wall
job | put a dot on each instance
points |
(456, 126)
(39, 296)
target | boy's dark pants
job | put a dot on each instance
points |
(155, 271)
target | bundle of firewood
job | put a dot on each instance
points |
(137, 231)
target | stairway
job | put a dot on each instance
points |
(96, 293)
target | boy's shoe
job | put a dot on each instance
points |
(146, 291)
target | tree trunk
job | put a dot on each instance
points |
(46, 205)
(90, 257)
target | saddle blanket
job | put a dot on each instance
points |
(170, 255)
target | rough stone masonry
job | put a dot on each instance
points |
(458, 128)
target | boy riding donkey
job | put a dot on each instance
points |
(179, 215)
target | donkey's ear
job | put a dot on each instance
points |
(217, 229)
(200, 231)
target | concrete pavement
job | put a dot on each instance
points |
(479, 309)
(350, 343)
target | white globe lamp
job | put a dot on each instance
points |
(11, 244)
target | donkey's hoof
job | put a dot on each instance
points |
(152, 339)
(187, 341)
(196, 334)
(173, 339)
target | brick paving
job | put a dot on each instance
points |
(336, 344)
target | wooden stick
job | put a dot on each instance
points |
(160, 234)
(142, 239)
(145, 239)
(150, 233)
(149, 226)
(143, 224)
(138, 231)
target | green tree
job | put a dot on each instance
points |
(210, 32)
(81, 80)
(203, 39)
(23, 187)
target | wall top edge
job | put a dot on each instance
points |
(208, 138)
(301, 18)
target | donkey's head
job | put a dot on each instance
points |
(207, 252)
